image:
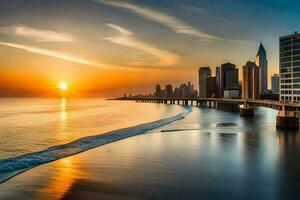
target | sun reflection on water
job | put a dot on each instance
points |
(66, 172)
(63, 112)
(62, 134)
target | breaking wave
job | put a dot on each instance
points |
(11, 167)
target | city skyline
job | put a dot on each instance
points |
(149, 99)
(40, 49)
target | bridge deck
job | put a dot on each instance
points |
(278, 105)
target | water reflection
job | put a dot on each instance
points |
(51, 122)
(63, 113)
(252, 160)
(66, 172)
(62, 134)
(288, 142)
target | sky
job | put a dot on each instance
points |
(109, 47)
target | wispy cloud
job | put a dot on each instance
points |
(38, 34)
(194, 10)
(55, 54)
(165, 19)
(156, 57)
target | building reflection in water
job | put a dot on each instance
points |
(289, 142)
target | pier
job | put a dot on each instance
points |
(286, 117)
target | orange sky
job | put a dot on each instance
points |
(108, 48)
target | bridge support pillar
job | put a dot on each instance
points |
(246, 112)
(186, 102)
(287, 122)
(287, 119)
(216, 105)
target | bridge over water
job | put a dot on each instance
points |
(286, 117)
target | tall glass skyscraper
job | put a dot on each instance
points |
(262, 63)
(290, 67)
(204, 72)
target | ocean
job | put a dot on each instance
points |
(171, 152)
(30, 125)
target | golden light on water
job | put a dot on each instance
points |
(63, 86)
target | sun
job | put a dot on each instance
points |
(63, 86)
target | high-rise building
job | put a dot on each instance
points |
(229, 79)
(218, 81)
(211, 87)
(250, 86)
(169, 90)
(204, 72)
(262, 62)
(158, 92)
(290, 67)
(275, 84)
(186, 90)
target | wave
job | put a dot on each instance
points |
(11, 167)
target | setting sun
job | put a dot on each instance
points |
(63, 86)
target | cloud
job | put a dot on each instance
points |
(162, 18)
(55, 54)
(120, 29)
(156, 57)
(194, 10)
(38, 34)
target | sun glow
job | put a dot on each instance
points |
(63, 86)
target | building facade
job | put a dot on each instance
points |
(275, 84)
(229, 78)
(250, 86)
(158, 91)
(211, 87)
(290, 67)
(233, 93)
(262, 63)
(204, 72)
(168, 90)
(218, 81)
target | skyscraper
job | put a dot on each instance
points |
(250, 86)
(275, 83)
(158, 91)
(218, 81)
(204, 72)
(211, 87)
(229, 78)
(290, 67)
(169, 90)
(262, 62)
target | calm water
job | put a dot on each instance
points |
(29, 125)
(210, 154)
